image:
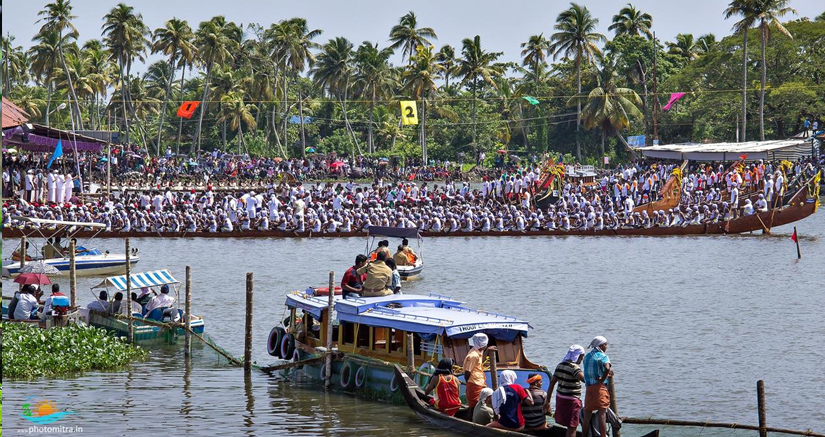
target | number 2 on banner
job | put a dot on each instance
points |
(409, 113)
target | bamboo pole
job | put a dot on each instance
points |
(187, 344)
(23, 253)
(613, 405)
(410, 352)
(247, 352)
(493, 367)
(131, 326)
(330, 307)
(72, 275)
(760, 401)
(796, 239)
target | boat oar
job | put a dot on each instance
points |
(764, 228)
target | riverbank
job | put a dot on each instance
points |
(31, 352)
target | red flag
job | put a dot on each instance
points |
(187, 109)
(673, 98)
(793, 237)
(743, 157)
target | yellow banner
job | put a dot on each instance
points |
(409, 112)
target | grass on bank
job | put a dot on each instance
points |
(30, 352)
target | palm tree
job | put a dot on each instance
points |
(706, 43)
(294, 43)
(27, 100)
(446, 59)
(419, 81)
(236, 112)
(406, 37)
(631, 21)
(58, 17)
(333, 71)
(745, 9)
(820, 18)
(374, 79)
(475, 64)
(576, 38)
(99, 74)
(14, 67)
(126, 37)
(685, 47)
(213, 45)
(768, 13)
(533, 53)
(610, 107)
(44, 55)
(174, 39)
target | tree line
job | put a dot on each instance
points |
(280, 90)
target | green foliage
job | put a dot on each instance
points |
(30, 352)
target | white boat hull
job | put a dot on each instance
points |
(86, 265)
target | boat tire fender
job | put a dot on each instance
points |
(425, 373)
(361, 377)
(287, 345)
(347, 380)
(273, 344)
(394, 384)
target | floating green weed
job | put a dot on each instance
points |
(30, 352)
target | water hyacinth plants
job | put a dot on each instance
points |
(30, 352)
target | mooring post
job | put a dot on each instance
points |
(23, 253)
(611, 387)
(410, 353)
(796, 240)
(187, 343)
(72, 275)
(247, 350)
(330, 307)
(129, 324)
(760, 401)
(493, 367)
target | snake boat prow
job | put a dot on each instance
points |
(413, 396)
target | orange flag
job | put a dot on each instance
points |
(187, 109)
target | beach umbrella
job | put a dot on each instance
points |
(336, 164)
(32, 279)
(40, 267)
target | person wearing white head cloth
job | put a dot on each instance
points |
(597, 370)
(507, 400)
(474, 368)
(569, 376)
(483, 412)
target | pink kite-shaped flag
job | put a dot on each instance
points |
(673, 98)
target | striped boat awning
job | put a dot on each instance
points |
(144, 279)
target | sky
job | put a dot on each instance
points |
(502, 25)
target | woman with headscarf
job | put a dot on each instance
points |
(569, 376)
(483, 412)
(474, 369)
(447, 398)
(507, 400)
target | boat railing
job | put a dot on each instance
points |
(488, 313)
(440, 296)
(392, 312)
(432, 347)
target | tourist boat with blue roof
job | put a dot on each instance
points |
(161, 325)
(371, 335)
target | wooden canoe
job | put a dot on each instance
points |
(800, 206)
(413, 396)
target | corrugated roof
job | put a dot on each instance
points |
(13, 115)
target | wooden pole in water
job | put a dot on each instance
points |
(72, 275)
(760, 400)
(493, 367)
(611, 387)
(410, 352)
(23, 252)
(129, 324)
(247, 350)
(187, 344)
(796, 239)
(330, 307)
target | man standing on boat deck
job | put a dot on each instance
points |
(474, 368)
(379, 277)
(569, 376)
(597, 370)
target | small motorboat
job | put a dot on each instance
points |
(406, 271)
(89, 261)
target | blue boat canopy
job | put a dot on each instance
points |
(385, 231)
(425, 315)
(144, 279)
